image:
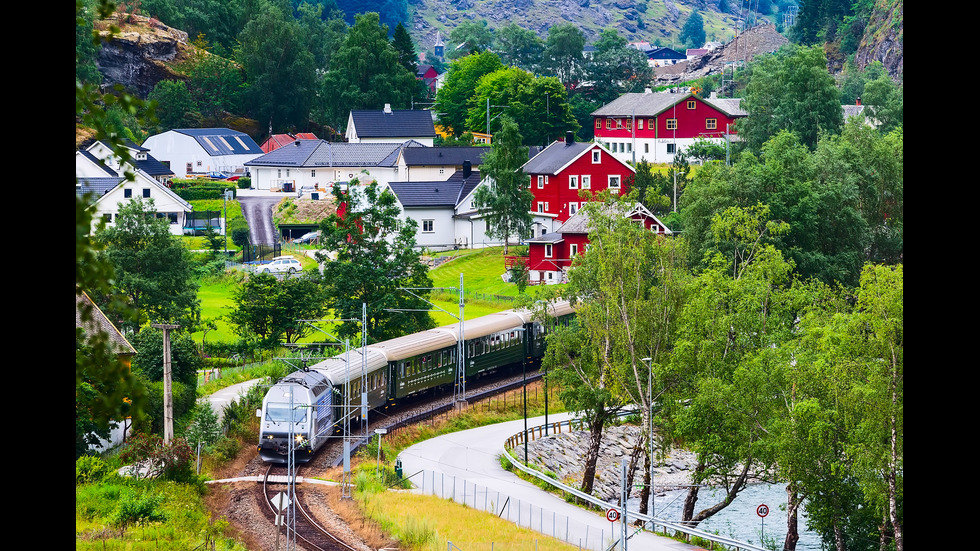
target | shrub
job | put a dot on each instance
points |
(138, 509)
(89, 468)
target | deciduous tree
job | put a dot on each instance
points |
(152, 267)
(376, 259)
(505, 200)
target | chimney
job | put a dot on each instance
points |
(467, 169)
(859, 101)
(387, 108)
(569, 137)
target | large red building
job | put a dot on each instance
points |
(655, 126)
(562, 170)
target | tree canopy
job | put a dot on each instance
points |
(504, 199)
(376, 260)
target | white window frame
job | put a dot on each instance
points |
(541, 206)
(572, 250)
(573, 182)
(596, 156)
(615, 178)
(540, 182)
(548, 250)
(431, 223)
(586, 181)
(572, 208)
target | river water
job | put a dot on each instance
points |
(739, 520)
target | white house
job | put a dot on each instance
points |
(191, 152)
(391, 126)
(109, 193)
(139, 160)
(317, 164)
(444, 211)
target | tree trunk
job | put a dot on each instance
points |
(736, 487)
(634, 459)
(692, 498)
(893, 464)
(592, 455)
(647, 486)
(792, 522)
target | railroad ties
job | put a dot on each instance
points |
(280, 479)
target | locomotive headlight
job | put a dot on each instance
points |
(300, 438)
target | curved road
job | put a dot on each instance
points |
(258, 213)
(468, 459)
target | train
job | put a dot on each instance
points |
(308, 405)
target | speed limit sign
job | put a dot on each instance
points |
(612, 515)
(762, 510)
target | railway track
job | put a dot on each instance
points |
(421, 409)
(308, 532)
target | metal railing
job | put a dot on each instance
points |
(554, 428)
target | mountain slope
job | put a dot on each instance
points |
(637, 20)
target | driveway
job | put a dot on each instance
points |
(258, 213)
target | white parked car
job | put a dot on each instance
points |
(282, 265)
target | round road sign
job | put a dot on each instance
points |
(762, 510)
(612, 515)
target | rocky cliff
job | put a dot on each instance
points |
(141, 54)
(883, 38)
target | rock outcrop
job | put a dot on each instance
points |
(563, 454)
(140, 54)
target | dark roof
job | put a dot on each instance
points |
(411, 123)
(436, 194)
(664, 53)
(555, 156)
(451, 156)
(222, 141)
(97, 161)
(153, 167)
(321, 153)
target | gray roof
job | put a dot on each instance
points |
(394, 124)
(95, 188)
(93, 321)
(321, 153)
(222, 141)
(435, 194)
(653, 104)
(553, 237)
(555, 156)
(453, 156)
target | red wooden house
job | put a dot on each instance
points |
(550, 255)
(654, 127)
(562, 170)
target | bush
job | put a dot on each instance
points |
(244, 182)
(89, 468)
(138, 509)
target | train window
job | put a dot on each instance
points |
(281, 413)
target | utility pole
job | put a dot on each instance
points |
(168, 393)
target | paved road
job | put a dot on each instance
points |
(258, 212)
(465, 464)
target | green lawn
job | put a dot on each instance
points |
(482, 270)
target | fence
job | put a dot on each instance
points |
(522, 513)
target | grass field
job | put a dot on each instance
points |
(482, 282)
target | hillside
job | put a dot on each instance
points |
(637, 20)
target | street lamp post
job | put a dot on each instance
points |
(649, 362)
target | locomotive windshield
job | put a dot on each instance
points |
(281, 413)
